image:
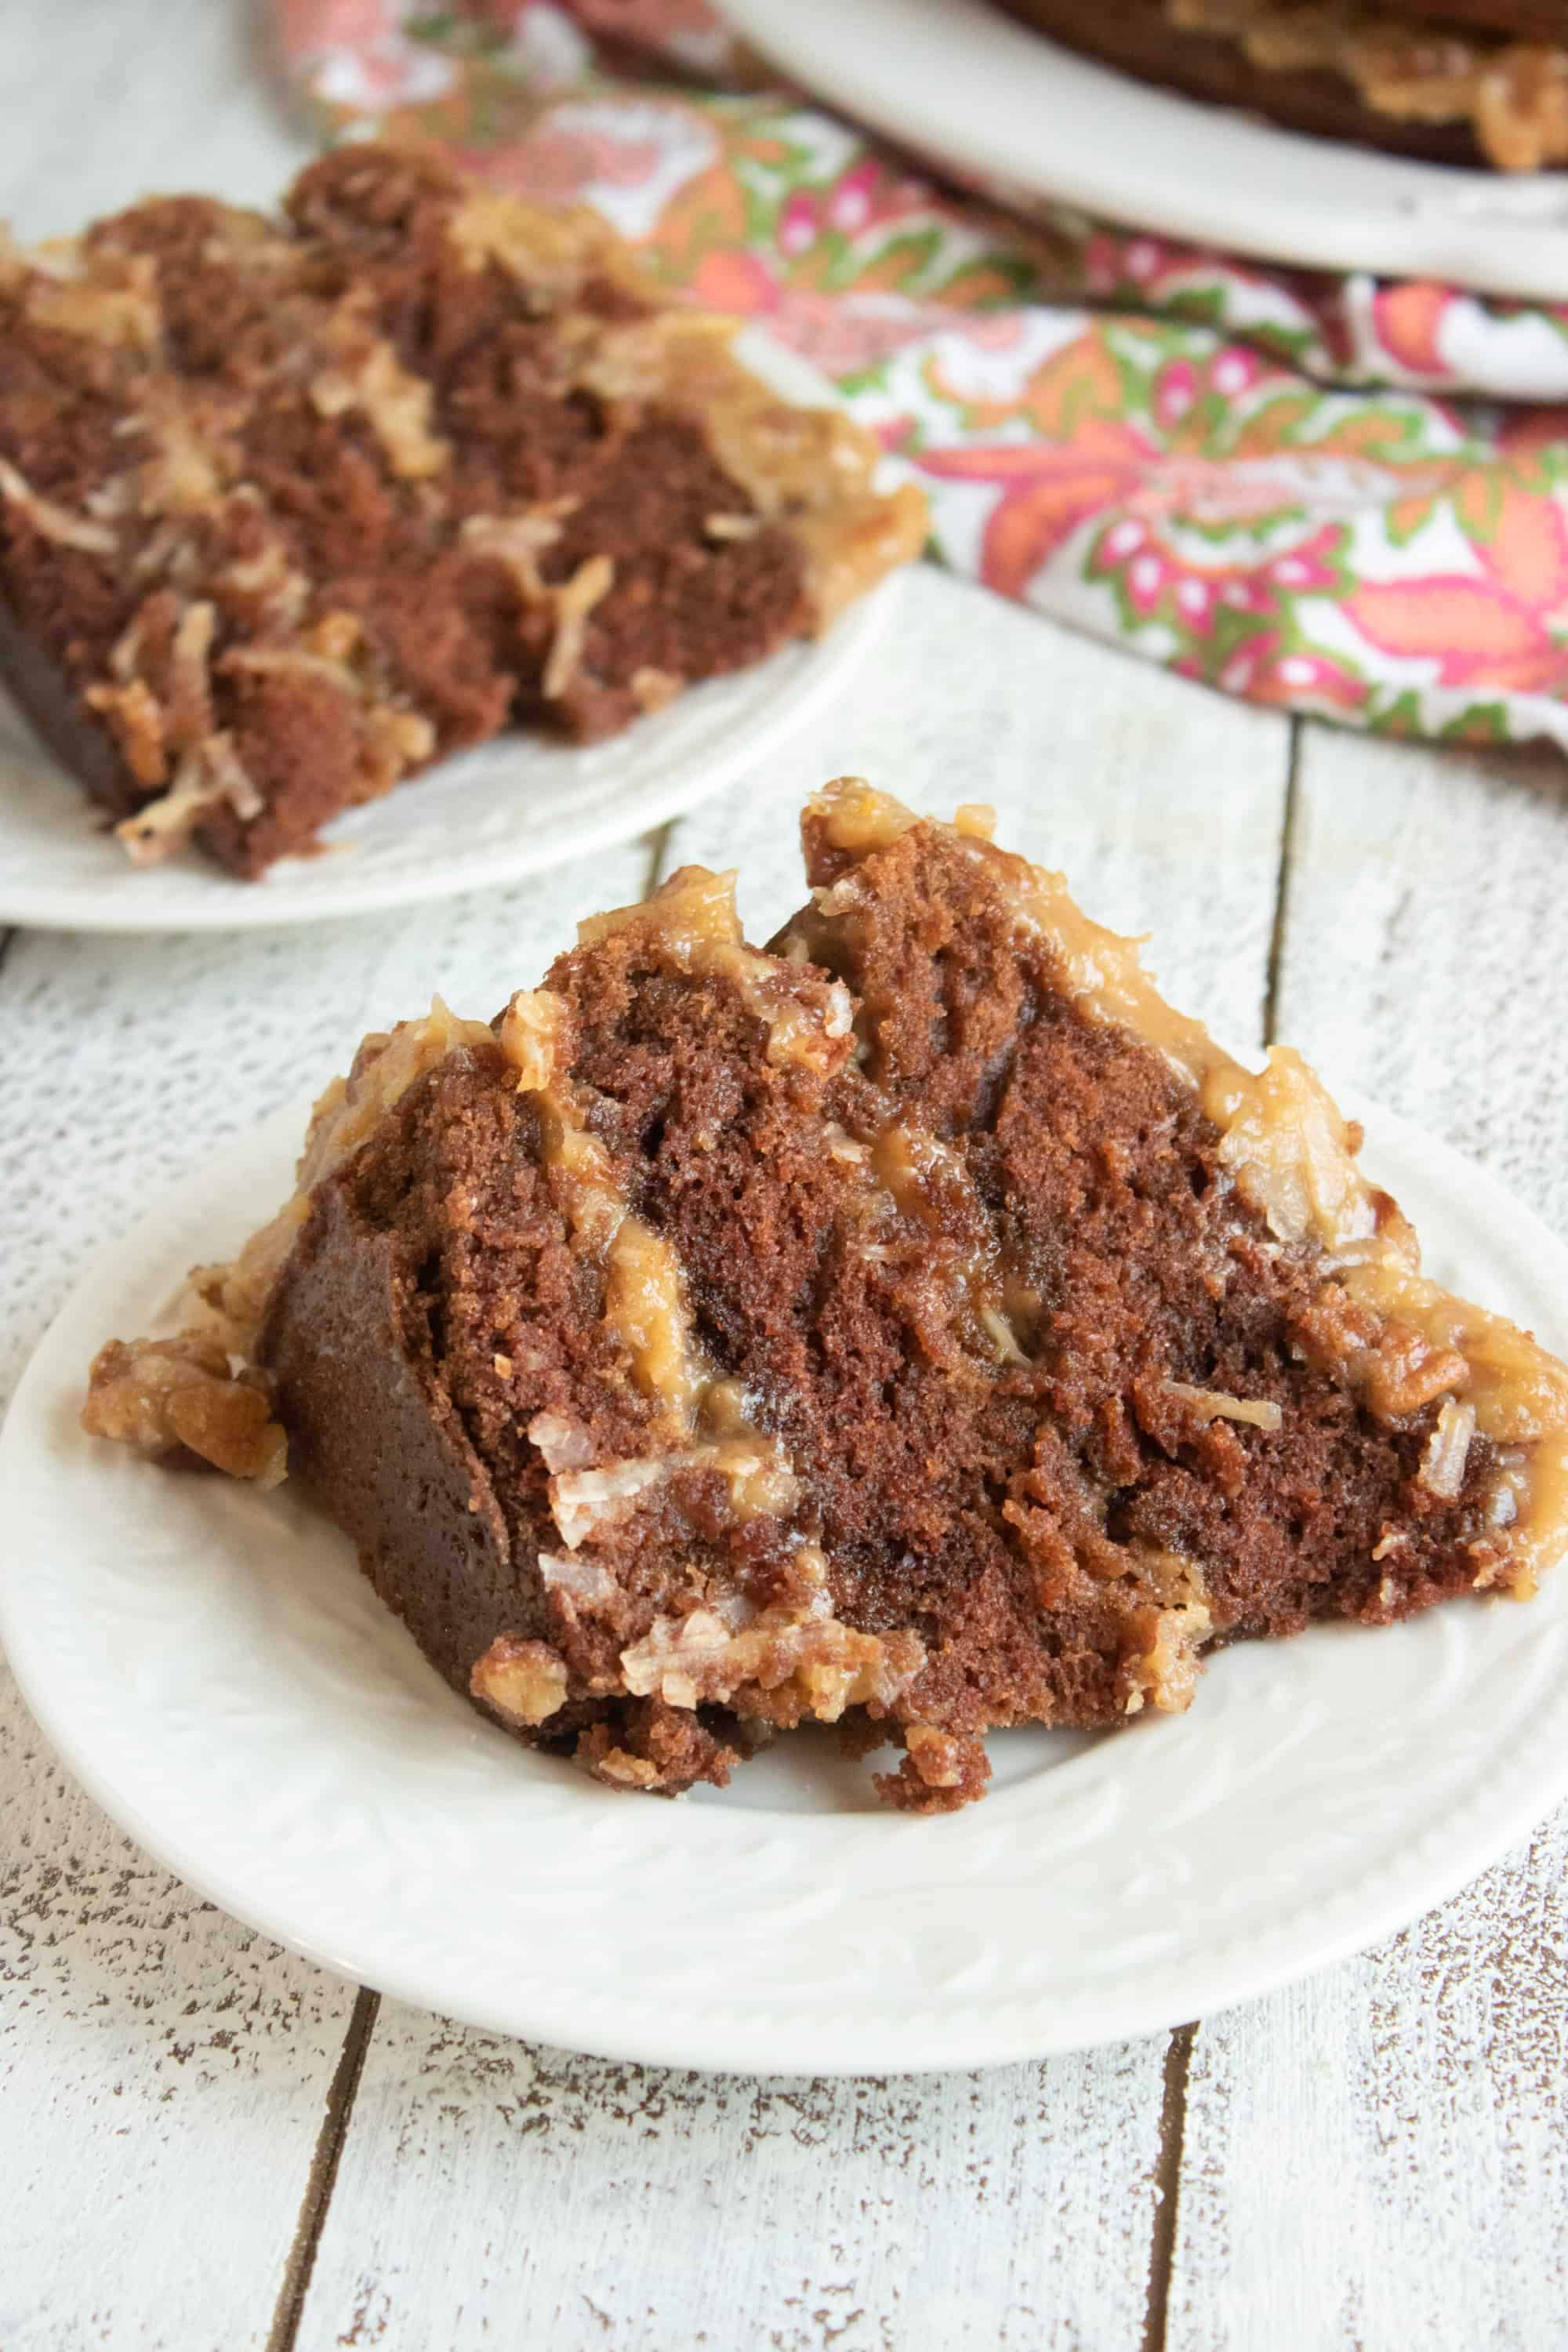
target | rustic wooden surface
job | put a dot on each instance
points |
(206, 2142)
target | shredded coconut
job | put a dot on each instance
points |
(1213, 1404)
(52, 521)
(1447, 1450)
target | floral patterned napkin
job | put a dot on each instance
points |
(1326, 493)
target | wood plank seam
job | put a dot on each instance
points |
(1288, 830)
(1168, 2183)
(323, 2175)
(343, 2090)
(1179, 2050)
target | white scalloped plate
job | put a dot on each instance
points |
(509, 808)
(211, 1665)
(954, 80)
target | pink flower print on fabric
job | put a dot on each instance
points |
(1236, 470)
(1503, 625)
(356, 55)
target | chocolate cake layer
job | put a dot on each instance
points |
(1475, 82)
(288, 510)
(918, 1325)
(915, 1327)
(1543, 21)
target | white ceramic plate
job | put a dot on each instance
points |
(956, 81)
(212, 1666)
(511, 808)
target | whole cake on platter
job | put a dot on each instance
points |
(289, 509)
(916, 1325)
(1456, 82)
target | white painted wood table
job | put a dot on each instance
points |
(206, 2142)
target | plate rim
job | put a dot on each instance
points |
(1468, 227)
(1376, 1899)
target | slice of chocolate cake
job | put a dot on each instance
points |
(1453, 81)
(919, 1325)
(288, 510)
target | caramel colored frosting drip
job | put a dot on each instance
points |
(1514, 95)
(917, 1174)
(1402, 1340)
(794, 1657)
(703, 1419)
(645, 1307)
(345, 1116)
(691, 923)
(159, 1393)
(555, 248)
(1166, 1633)
(813, 470)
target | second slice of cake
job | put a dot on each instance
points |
(290, 509)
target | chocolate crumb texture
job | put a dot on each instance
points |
(289, 509)
(917, 1326)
